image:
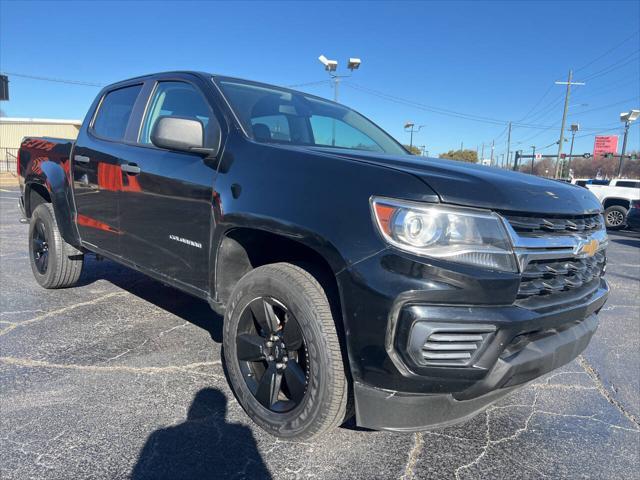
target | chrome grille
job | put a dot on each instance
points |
(549, 277)
(536, 224)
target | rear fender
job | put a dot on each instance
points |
(53, 177)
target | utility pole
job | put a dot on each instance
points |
(482, 154)
(533, 158)
(461, 146)
(508, 144)
(568, 83)
(493, 145)
(411, 129)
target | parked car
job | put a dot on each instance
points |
(583, 182)
(616, 196)
(353, 277)
(633, 216)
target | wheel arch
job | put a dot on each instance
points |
(244, 249)
(616, 201)
(51, 185)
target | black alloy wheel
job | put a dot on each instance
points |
(272, 354)
(40, 246)
(54, 262)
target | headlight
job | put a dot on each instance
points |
(474, 237)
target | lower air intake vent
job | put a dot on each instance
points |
(446, 344)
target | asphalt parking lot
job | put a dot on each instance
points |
(121, 378)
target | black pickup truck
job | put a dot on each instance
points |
(354, 278)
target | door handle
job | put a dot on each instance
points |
(81, 159)
(130, 168)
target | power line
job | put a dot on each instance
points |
(308, 84)
(609, 88)
(57, 80)
(429, 108)
(604, 106)
(537, 103)
(608, 51)
(614, 66)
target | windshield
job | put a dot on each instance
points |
(273, 115)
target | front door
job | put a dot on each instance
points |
(165, 203)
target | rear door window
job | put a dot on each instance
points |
(115, 111)
(271, 127)
(626, 183)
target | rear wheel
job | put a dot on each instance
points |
(282, 353)
(55, 263)
(615, 217)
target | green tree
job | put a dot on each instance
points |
(469, 156)
(413, 150)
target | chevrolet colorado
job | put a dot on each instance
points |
(353, 278)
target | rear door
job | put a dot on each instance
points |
(165, 209)
(97, 159)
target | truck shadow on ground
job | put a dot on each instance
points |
(183, 305)
(203, 447)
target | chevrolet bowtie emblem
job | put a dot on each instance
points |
(590, 248)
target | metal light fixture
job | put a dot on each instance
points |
(630, 116)
(627, 118)
(353, 64)
(329, 65)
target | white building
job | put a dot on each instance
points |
(13, 130)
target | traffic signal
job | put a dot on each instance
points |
(4, 88)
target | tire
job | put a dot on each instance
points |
(615, 217)
(312, 393)
(54, 263)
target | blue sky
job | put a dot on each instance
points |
(494, 60)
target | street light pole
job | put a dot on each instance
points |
(574, 128)
(331, 66)
(627, 118)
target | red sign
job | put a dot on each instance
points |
(605, 144)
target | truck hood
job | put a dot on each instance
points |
(479, 186)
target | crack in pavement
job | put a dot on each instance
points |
(595, 377)
(412, 459)
(25, 362)
(147, 340)
(518, 432)
(13, 326)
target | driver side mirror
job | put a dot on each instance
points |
(181, 134)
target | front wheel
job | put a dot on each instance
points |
(615, 217)
(282, 353)
(55, 263)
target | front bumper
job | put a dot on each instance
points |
(384, 410)
(394, 391)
